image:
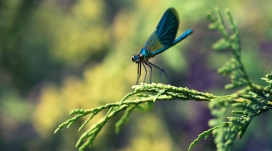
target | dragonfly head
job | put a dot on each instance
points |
(137, 58)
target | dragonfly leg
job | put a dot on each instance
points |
(150, 71)
(145, 72)
(138, 72)
(161, 70)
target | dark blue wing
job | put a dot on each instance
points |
(164, 35)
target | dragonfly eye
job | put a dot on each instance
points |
(141, 56)
(133, 59)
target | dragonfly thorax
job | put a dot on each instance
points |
(144, 55)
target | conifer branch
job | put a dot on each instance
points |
(230, 41)
(246, 103)
(141, 96)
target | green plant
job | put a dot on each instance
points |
(246, 103)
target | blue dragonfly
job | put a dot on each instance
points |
(160, 40)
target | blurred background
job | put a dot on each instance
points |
(59, 55)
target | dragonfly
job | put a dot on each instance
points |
(159, 41)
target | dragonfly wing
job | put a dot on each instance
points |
(164, 35)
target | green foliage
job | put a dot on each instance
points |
(230, 41)
(123, 119)
(245, 104)
(204, 135)
(141, 96)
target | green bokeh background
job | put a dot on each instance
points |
(58, 55)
